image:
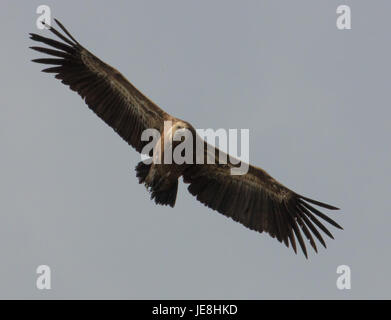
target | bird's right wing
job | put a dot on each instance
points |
(105, 90)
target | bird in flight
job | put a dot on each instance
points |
(254, 199)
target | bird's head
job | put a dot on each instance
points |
(181, 129)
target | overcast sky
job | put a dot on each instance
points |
(316, 101)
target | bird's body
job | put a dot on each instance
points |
(254, 199)
(159, 174)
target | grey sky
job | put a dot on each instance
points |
(316, 101)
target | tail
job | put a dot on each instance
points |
(166, 196)
(142, 171)
(162, 194)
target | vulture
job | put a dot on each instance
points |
(254, 199)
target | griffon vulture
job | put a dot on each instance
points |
(254, 199)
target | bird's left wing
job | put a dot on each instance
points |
(105, 90)
(257, 201)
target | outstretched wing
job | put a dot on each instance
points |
(259, 202)
(105, 90)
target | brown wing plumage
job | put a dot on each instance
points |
(105, 90)
(259, 202)
(255, 199)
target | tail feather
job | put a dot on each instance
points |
(142, 171)
(159, 191)
(166, 196)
